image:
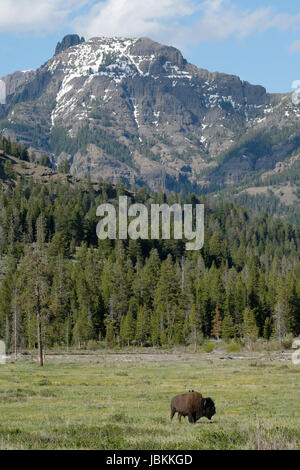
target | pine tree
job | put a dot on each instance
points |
(155, 326)
(149, 277)
(7, 287)
(142, 326)
(127, 329)
(110, 337)
(64, 167)
(195, 326)
(178, 333)
(41, 230)
(16, 320)
(203, 302)
(168, 299)
(282, 313)
(217, 324)
(44, 160)
(250, 328)
(268, 330)
(35, 292)
(59, 317)
(59, 246)
(83, 328)
(228, 330)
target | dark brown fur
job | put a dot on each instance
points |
(193, 405)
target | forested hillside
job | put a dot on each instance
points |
(277, 192)
(244, 283)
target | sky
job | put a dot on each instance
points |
(258, 40)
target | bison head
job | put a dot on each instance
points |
(208, 408)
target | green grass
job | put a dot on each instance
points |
(104, 404)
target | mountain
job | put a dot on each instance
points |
(68, 41)
(137, 110)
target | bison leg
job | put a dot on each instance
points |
(173, 411)
(179, 417)
(191, 418)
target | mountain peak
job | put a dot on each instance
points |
(135, 109)
(69, 40)
(146, 46)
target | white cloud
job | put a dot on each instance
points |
(165, 20)
(133, 17)
(178, 22)
(36, 15)
(221, 19)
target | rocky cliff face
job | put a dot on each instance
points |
(68, 41)
(135, 109)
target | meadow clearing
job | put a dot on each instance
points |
(103, 401)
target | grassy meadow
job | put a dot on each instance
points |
(105, 403)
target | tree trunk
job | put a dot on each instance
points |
(39, 338)
(39, 329)
(15, 323)
(15, 334)
(67, 336)
(7, 332)
(182, 273)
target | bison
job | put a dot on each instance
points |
(193, 405)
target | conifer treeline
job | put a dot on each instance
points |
(244, 283)
(16, 149)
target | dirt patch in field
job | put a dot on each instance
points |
(283, 356)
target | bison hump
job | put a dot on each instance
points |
(187, 403)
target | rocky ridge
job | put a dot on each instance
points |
(137, 110)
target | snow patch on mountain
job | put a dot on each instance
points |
(108, 57)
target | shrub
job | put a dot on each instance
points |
(233, 347)
(209, 347)
(261, 438)
(92, 345)
(272, 345)
(287, 341)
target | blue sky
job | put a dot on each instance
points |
(257, 40)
